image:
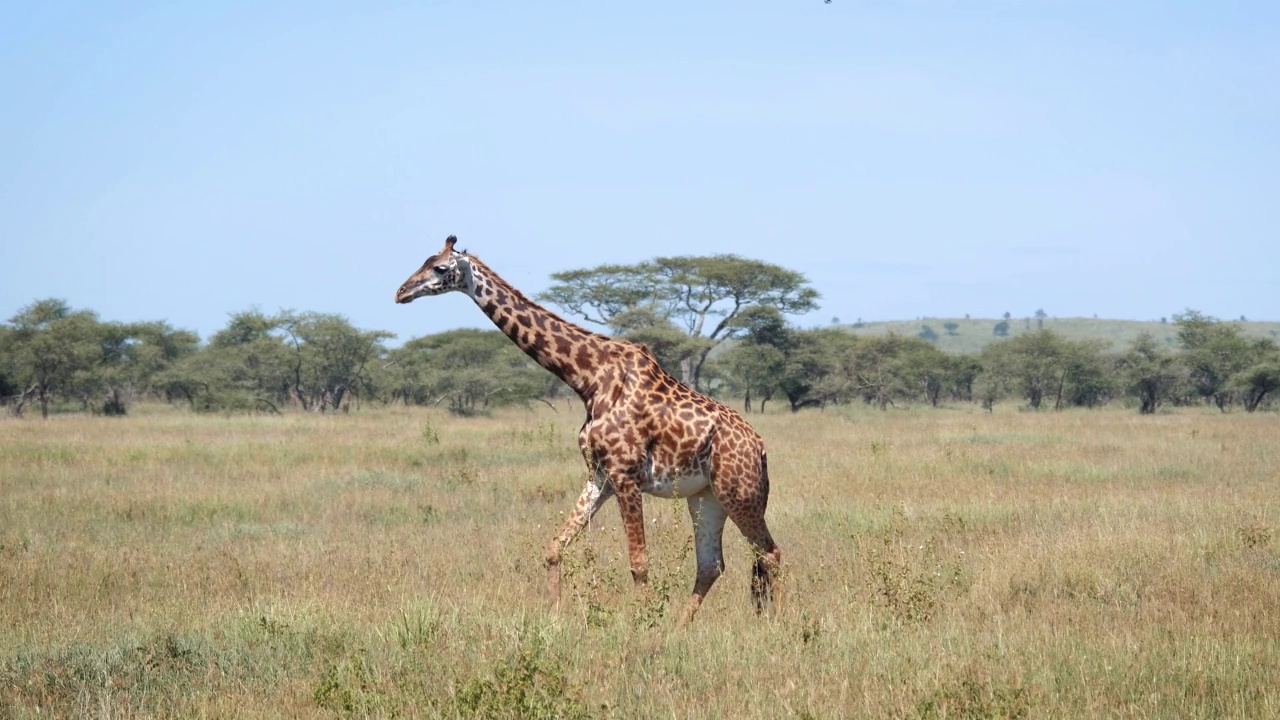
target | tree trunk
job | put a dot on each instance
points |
(696, 369)
(1220, 399)
(1147, 395)
(23, 399)
(1253, 398)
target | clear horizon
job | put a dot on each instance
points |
(914, 160)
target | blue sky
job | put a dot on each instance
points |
(183, 161)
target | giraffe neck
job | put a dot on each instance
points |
(571, 353)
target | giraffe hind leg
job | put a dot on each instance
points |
(746, 503)
(708, 517)
(768, 557)
(765, 572)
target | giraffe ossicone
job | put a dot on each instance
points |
(645, 431)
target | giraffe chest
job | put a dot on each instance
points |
(675, 486)
(672, 477)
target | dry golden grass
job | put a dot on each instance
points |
(939, 564)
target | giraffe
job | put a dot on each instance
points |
(645, 432)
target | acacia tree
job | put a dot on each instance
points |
(1150, 372)
(1088, 378)
(964, 371)
(874, 369)
(1213, 352)
(807, 366)
(672, 346)
(816, 371)
(883, 370)
(756, 370)
(48, 347)
(330, 357)
(153, 348)
(757, 362)
(471, 371)
(52, 352)
(245, 367)
(104, 372)
(705, 296)
(1021, 366)
(1043, 365)
(923, 370)
(129, 359)
(1261, 379)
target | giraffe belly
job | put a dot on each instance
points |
(675, 486)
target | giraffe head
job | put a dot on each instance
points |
(443, 272)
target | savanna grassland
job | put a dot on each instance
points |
(939, 564)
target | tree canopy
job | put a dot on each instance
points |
(704, 296)
(49, 350)
(469, 371)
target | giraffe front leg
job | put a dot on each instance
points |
(593, 496)
(631, 503)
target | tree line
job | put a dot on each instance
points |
(1212, 362)
(719, 323)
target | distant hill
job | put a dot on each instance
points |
(971, 335)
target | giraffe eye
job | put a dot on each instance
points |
(442, 269)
